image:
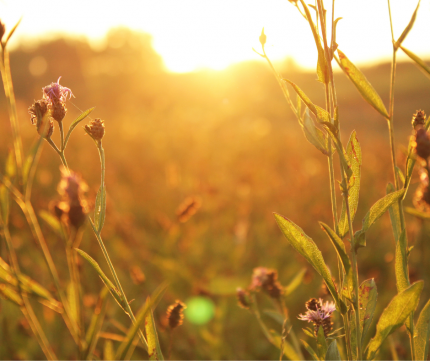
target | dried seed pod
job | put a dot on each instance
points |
(175, 314)
(96, 129)
(418, 119)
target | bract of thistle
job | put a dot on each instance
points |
(55, 92)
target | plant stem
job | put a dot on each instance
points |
(117, 282)
(102, 182)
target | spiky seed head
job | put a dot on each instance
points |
(262, 38)
(96, 129)
(59, 111)
(418, 119)
(175, 314)
(243, 298)
(2, 30)
(422, 143)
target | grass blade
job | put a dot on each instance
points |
(408, 28)
(296, 282)
(79, 119)
(308, 249)
(418, 61)
(394, 316)
(154, 349)
(362, 84)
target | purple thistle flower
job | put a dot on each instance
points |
(55, 92)
(327, 307)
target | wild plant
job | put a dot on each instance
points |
(70, 216)
(353, 301)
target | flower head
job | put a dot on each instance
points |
(56, 93)
(267, 280)
(320, 314)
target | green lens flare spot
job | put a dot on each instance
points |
(200, 310)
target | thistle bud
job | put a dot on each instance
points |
(422, 143)
(59, 111)
(96, 129)
(243, 298)
(418, 119)
(175, 314)
(38, 110)
(262, 38)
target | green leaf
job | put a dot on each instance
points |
(394, 212)
(154, 350)
(322, 68)
(362, 84)
(408, 28)
(295, 282)
(353, 151)
(100, 208)
(52, 221)
(322, 115)
(367, 297)
(394, 316)
(308, 249)
(113, 290)
(343, 256)
(418, 61)
(422, 334)
(79, 119)
(140, 317)
(375, 212)
(321, 344)
(310, 350)
(314, 135)
(401, 263)
(333, 352)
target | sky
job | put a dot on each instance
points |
(199, 34)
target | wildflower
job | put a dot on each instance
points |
(243, 298)
(320, 314)
(175, 314)
(422, 143)
(266, 279)
(96, 129)
(188, 208)
(55, 93)
(74, 206)
(418, 119)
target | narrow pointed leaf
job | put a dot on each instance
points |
(79, 119)
(100, 208)
(394, 316)
(52, 221)
(333, 352)
(367, 297)
(353, 151)
(140, 317)
(418, 61)
(322, 68)
(422, 334)
(415, 212)
(308, 249)
(12, 32)
(394, 211)
(321, 344)
(375, 212)
(113, 290)
(408, 28)
(310, 350)
(343, 256)
(296, 282)
(314, 135)
(154, 350)
(401, 263)
(8, 293)
(362, 84)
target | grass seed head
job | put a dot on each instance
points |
(175, 314)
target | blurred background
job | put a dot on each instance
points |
(223, 138)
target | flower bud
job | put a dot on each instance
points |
(38, 110)
(96, 129)
(418, 119)
(59, 111)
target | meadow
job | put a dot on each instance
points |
(226, 139)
